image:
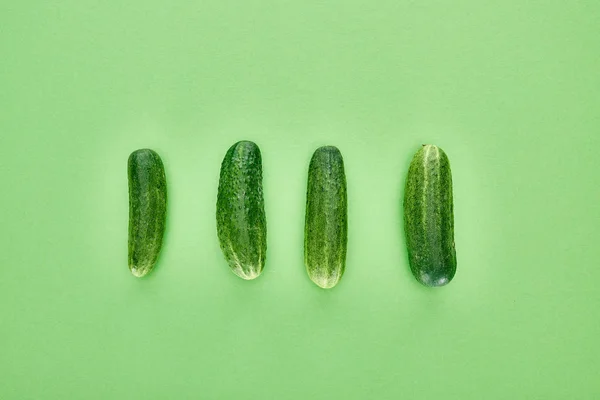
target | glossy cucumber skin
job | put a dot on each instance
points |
(241, 220)
(429, 217)
(147, 210)
(326, 224)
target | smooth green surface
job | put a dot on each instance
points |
(509, 90)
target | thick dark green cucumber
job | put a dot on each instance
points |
(241, 221)
(147, 209)
(429, 217)
(326, 225)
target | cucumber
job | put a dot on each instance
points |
(241, 221)
(326, 224)
(429, 217)
(147, 210)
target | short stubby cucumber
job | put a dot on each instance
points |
(429, 217)
(147, 210)
(241, 221)
(326, 225)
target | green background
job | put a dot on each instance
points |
(510, 90)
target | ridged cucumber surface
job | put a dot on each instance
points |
(429, 217)
(326, 225)
(241, 220)
(147, 210)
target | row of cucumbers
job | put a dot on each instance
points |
(242, 224)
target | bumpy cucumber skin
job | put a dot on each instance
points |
(326, 224)
(241, 220)
(147, 210)
(429, 217)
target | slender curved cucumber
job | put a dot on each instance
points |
(429, 217)
(241, 221)
(147, 210)
(326, 225)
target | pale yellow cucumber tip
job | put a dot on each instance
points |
(138, 272)
(247, 276)
(324, 282)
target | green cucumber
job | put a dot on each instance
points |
(429, 217)
(326, 224)
(241, 221)
(147, 210)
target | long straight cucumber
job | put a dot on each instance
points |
(241, 221)
(147, 210)
(326, 225)
(429, 217)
